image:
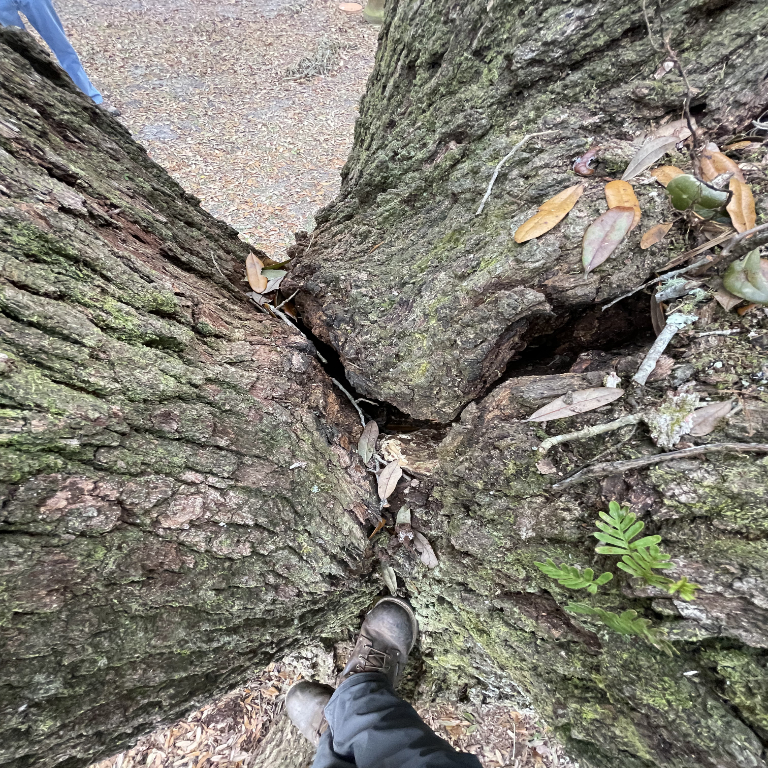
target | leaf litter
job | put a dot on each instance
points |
(604, 235)
(550, 213)
(573, 403)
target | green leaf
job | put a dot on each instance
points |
(611, 550)
(604, 578)
(571, 577)
(646, 541)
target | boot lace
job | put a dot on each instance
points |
(375, 660)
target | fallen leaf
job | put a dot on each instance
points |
(603, 236)
(580, 401)
(714, 162)
(350, 8)
(273, 274)
(390, 579)
(726, 299)
(741, 206)
(253, 268)
(620, 194)
(741, 145)
(748, 278)
(550, 213)
(378, 527)
(658, 316)
(677, 128)
(581, 165)
(706, 419)
(665, 173)
(663, 368)
(655, 235)
(546, 467)
(424, 548)
(403, 515)
(388, 479)
(648, 154)
(366, 446)
(741, 311)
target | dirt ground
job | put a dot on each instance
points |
(208, 88)
(215, 92)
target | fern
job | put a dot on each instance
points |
(639, 558)
(571, 577)
(626, 623)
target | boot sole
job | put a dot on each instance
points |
(409, 611)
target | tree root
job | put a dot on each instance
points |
(587, 432)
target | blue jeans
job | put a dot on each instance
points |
(43, 17)
(370, 727)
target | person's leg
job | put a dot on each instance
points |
(370, 727)
(325, 757)
(9, 15)
(43, 17)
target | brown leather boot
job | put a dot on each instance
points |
(386, 638)
(305, 705)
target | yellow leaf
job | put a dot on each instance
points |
(665, 173)
(714, 163)
(253, 267)
(550, 213)
(742, 206)
(620, 194)
(655, 235)
(740, 145)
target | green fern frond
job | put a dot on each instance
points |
(572, 578)
(685, 589)
(626, 623)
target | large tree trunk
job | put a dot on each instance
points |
(427, 303)
(178, 502)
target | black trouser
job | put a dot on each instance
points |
(370, 727)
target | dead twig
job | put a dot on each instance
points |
(587, 432)
(501, 163)
(736, 239)
(285, 301)
(619, 467)
(216, 264)
(699, 249)
(674, 323)
(351, 400)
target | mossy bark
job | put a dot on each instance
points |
(179, 504)
(426, 301)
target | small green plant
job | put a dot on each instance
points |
(571, 577)
(626, 623)
(641, 558)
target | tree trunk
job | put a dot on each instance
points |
(431, 306)
(178, 500)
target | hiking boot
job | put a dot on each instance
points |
(386, 638)
(305, 705)
(109, 109)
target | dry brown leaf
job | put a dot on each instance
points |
(665, 173)
(678, 128)
(713, 163)
(580, 401)
(620, 194)
(706, 419)
(741, 207)
(366, 446)
(648, 154)
(741, 311)
(663, 368)
(550, 213)
(424, 548)
(253, 267)
(603, 236)
(546, 467)
(741, 145)
(655, 234)
(726, 299)
(388, 479)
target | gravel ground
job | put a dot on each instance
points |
(206, 86)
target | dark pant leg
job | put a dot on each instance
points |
(326, 757)
(370, 727)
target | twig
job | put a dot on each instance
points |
(674, 323)
(285, 301)
(501, 163)
(351, 400)
(656, 280)
(587, 432)
(619, 467)
(699, 249)
(736, 239)
(720, 333)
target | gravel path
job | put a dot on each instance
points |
(205, 86)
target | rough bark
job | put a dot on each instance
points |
(427, 302)
(178, 500)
